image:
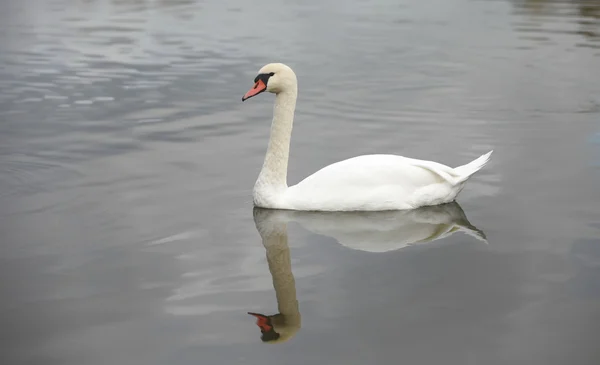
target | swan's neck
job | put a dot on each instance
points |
(273, 175)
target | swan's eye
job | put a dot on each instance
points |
(264, 77)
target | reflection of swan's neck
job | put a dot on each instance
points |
(280, 266)
(273, 231)
(274, 171)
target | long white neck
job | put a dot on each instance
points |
(274, 171)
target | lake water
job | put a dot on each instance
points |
(127, 162)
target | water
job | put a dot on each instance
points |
(127, 161)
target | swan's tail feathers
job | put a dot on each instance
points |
(465, 171)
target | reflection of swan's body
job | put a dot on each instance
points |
(368, 231)
(284, 325)
(384, 231)
(364, 183)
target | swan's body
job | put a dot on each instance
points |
(363, 183)
(376, 182)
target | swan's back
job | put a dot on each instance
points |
(371, 182)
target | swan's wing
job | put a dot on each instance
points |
(379, 170)
(368, 180)
(445, 172)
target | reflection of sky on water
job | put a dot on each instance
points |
(596, 147)
(127, 241)
(586, 259)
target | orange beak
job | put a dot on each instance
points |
(258, 88)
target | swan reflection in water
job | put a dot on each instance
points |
(365, 231)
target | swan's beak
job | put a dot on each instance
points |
(258, 88)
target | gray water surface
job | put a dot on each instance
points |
(127, 161)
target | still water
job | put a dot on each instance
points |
(127, 161)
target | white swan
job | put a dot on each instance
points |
(363, 183)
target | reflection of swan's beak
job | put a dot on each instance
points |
(263, 322)
(266, 327)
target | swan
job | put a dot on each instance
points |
(364, 183)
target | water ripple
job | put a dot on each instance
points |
(27, 175)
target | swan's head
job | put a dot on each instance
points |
(274, 78)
